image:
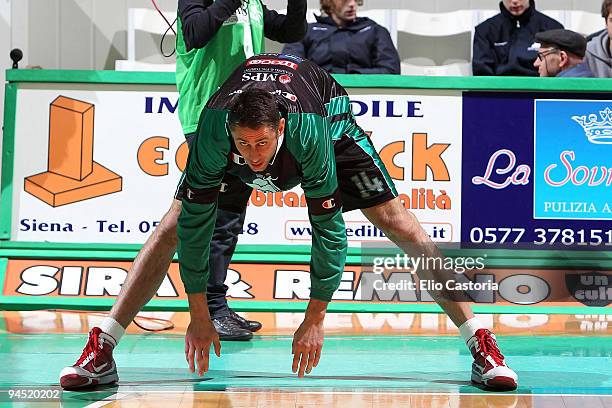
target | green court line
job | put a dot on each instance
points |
(8, 158)
(91, 77)
(68, 246)
(129, 256)
(284, 258)
(305, 250)
(300, 254)
(531, 84)
(349, 81)
(36, 303)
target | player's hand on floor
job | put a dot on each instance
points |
(200, 335)
(306, 347)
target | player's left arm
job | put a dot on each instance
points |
(329, 243)
(320, 184)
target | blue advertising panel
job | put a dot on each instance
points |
(537, 168)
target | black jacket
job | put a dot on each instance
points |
(362, 47)
(203, 18)
(501, 43)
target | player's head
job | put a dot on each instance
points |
(256, 124)
(516, 7)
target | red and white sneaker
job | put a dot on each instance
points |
(95, 366)
(489, 368)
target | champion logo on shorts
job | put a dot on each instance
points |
(328, 204)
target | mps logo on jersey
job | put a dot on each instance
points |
(259, 76)
(266, 77)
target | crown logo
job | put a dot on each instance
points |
(599, 132)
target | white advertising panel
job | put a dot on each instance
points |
(101, 165)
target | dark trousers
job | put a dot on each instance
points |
(224, 239)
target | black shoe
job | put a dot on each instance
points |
(229, 330)
(250, 325)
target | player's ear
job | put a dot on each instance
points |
(281, 126)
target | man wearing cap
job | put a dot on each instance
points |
(561, 54)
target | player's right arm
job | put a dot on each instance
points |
(201, 19)
(202, 179)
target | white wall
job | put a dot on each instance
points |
(91, 34)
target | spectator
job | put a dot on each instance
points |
(342, 43)
(599, 49)
(561, 54)
(501, 43)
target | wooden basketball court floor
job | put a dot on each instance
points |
(375, 360)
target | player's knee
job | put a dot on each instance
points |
(401, 225)
(167, 226)
(168, 230)
(402, 230)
